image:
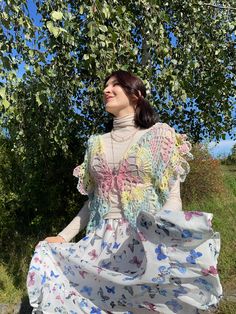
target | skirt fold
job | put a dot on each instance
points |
(167, 265)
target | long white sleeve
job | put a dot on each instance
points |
(77, 224)
(174, 201)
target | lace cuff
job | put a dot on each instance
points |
(85, 182)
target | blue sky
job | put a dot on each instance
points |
(221, 149)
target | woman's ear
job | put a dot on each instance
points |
(134, 98)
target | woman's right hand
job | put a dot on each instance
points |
(57, 239)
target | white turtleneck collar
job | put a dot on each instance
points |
(124, 122)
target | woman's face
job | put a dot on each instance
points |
(115, 100)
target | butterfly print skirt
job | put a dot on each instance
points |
(167, 265)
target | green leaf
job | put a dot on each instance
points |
(57, 15)
(5, 103)
(106, 12)
(56, 31)
(103, 28)
(102, 37)
(39, 98)
(85, 57)
(81, 9)
(3, 92)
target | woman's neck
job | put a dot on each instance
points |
(126, 121)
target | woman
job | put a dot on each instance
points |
(141, 252)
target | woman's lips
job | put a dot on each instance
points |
(109, 98)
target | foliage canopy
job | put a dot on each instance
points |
(183, 50)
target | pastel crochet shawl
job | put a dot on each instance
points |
(144, 177)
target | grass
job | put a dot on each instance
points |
(223, 208)
(9, 294)
(12, 288)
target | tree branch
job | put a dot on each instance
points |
(219, 6)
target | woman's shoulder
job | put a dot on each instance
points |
(161, 128)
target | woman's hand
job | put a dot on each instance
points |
(57, 239)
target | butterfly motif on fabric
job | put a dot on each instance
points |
(31, 280)
(164, 270)
(58, 297)
(68, 270)
(116, 268)
(107, 180)
(83, 273)
(135, 261)
(144, 223)
(162, 292)
(83, 304)
(191, 258)
(174, 305)
(131, 245)
(104, 244)
(210, 271)
(189, 215)
(186, 234)
(180, 291)
(106, 265)
(129, 289)
(74, 284)
(37, 260)
(162, 228)
(118, 258)
(71, 251)
(150, 306)
(213, 249)
(110, 289)
(95, 310)
(35, 268)
(87, 290)
(108, 250)
(102, 295)
(122, 301)
(112, 304)
(181, 268)
(160, 254)
(59, 309)
(175, 280)
(52, 274)
(207, 285)
(93, 254)
(160, 279)
(44, 278)
(152, 293)
(116, 245)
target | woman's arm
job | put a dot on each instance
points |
(77, 224)
(73, 228)
(174, 201)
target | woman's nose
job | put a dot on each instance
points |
(107, 90)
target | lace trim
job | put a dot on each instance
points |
(85, 183)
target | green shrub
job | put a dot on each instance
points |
(205, 178)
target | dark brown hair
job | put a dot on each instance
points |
(145, 115)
